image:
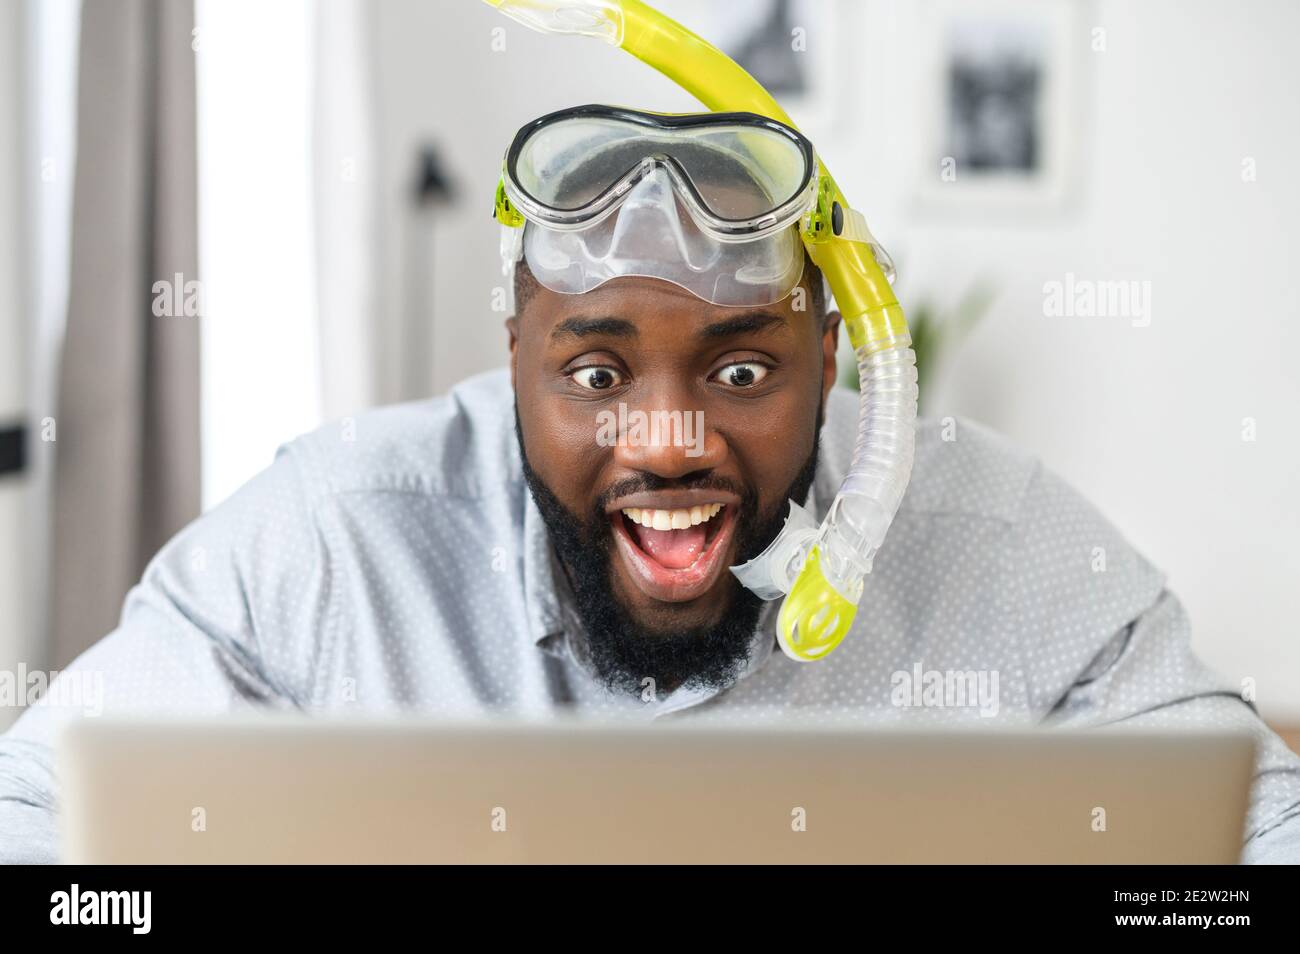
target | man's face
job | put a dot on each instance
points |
(737, 395)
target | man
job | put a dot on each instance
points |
(522, 546)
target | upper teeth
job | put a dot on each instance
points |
(671, 519)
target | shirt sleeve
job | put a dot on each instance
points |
(1116, 648)
(228, 615)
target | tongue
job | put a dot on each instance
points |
(674, 549)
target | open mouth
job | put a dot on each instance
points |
(677, 554)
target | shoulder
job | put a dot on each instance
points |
(971, 484)
(459, 445)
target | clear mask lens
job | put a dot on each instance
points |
(570, 165)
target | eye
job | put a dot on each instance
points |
(742, 375)
(597, 378)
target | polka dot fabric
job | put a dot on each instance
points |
(395, 562)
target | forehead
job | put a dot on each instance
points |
(649, 309)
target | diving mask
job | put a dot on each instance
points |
(710, 202)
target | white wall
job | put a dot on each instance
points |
(1145, 421)
(259, 350)
(1148, 421)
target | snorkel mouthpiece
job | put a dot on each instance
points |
(819, 569)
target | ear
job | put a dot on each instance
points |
(512, 328)
(830, 345)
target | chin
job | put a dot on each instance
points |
(662, 618)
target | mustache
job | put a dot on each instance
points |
(649, 483)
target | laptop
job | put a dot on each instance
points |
(301, 790)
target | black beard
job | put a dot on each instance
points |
(623, 652)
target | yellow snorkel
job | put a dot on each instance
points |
(819, 569)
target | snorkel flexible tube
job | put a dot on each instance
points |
(819, 569)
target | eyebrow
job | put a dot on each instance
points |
(585, 327)
(747, 323)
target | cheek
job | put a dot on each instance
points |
(560, 437)
(771, 442)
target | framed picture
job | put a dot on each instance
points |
(1001, 105)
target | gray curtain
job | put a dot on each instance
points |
(126, 472)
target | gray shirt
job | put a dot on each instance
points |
(396, 562)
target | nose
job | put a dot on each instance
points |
(668, 441)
